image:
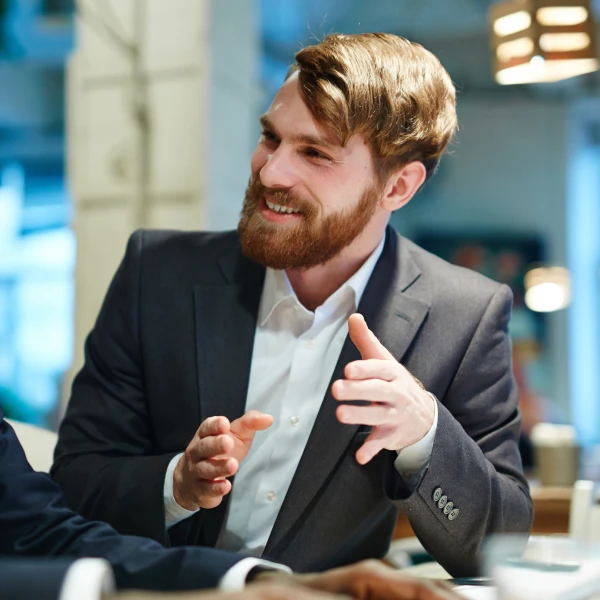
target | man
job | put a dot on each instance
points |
(234, 347)
(35, 522)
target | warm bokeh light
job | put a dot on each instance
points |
(564, 42)
(512, 23)
(538, 70)
(537, 42)
(547, 289)
(515, 49)
(561, 15)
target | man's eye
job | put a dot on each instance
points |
(268, 136)
(312, 153)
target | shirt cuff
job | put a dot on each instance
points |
(413, 460)
(173, 512)
(87, 579)
(235, 579)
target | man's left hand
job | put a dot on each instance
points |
(401, 411)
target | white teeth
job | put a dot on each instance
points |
(282, 209)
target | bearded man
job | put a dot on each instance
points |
(339, 371)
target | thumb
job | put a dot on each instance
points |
(250, 423)
(364, 339)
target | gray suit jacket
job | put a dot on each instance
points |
(173, 345)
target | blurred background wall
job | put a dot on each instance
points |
(143, 113)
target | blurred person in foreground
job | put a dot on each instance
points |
(36, 525)
(243, 353)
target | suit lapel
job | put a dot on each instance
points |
(226, 315)
(395, 318)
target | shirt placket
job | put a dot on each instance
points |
(269, 496)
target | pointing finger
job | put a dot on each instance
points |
(364, 339)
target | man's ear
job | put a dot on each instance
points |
(402, 185)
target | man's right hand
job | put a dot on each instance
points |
(215, 452)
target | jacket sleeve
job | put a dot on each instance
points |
(104, 460)
(32, 578)
(35, 521)
(475, 462)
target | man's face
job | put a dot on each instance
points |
(308, 198)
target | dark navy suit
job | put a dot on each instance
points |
(36, 522)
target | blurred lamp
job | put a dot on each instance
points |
(536, 41)
(547, 289)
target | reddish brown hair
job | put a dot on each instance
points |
(392, 91)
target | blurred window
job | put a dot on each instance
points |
(37, 246)
(37, 256)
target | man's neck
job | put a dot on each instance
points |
(314, 286)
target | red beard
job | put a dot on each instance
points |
(310, 242)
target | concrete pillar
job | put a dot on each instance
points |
(162, 105)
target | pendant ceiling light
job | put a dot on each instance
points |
(536, 41)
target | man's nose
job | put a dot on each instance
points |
(277, 171)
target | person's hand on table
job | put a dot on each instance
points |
(401, 411)
(366, 580)
(215, 453)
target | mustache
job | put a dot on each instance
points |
(256, 190)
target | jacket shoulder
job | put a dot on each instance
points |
(170, 257)
(165, 240)
(454, 283)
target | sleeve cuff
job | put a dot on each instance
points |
(413, 460)
(87, 579)
(173, 512)
(235, 579)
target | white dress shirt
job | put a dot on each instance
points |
(295, 353)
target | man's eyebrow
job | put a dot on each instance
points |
(312, 140)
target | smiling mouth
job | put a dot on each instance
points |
(282, 209)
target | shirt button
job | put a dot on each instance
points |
(310, 344)
(294, 421)
(442, 501)
(437, 494)
(271, 495)
(453, 515)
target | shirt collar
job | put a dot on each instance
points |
(277, 287)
